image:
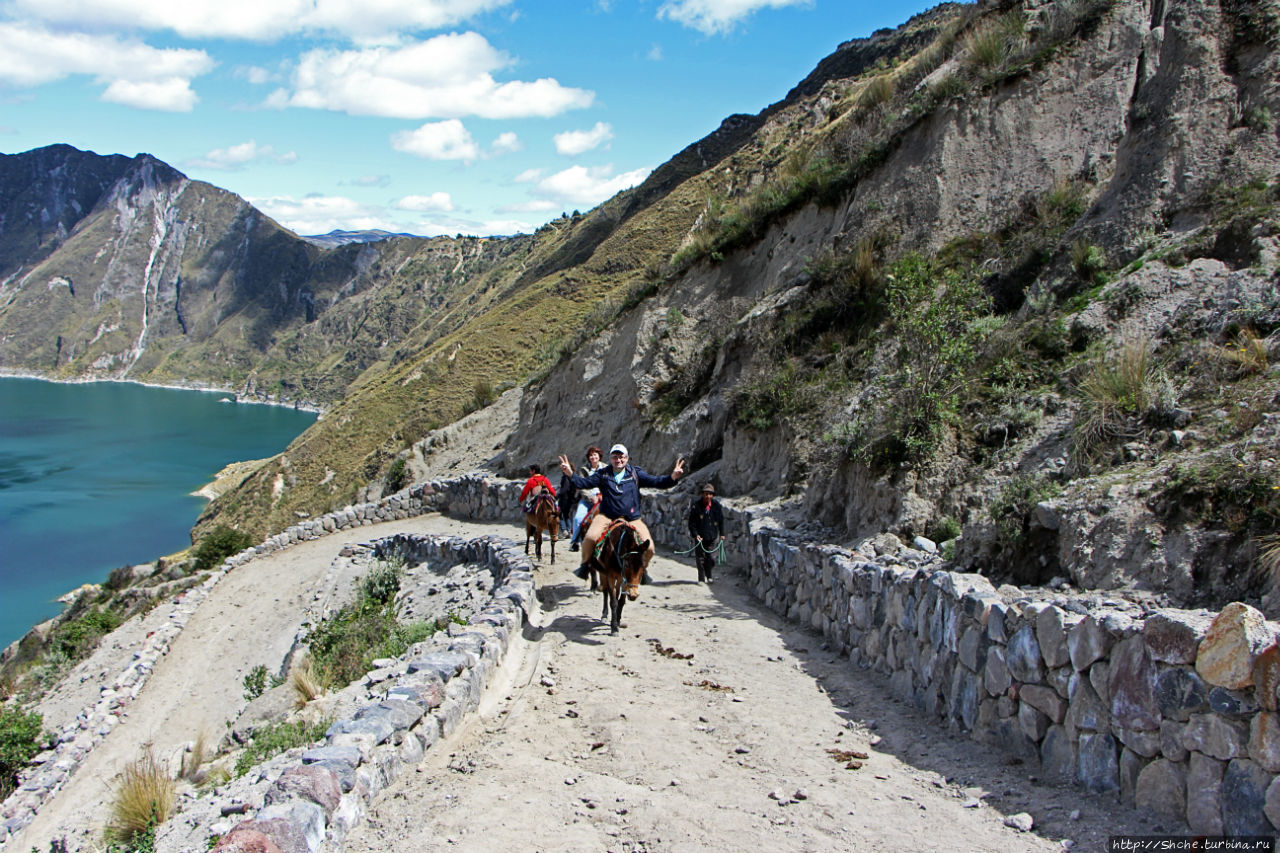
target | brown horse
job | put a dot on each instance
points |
(620, 559)
(545, 516)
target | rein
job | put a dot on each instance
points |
(700, 546)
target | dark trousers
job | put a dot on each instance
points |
(705, 558)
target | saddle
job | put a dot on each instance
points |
(604, 534)
(531, 505)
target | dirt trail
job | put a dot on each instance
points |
(610, 743)
(592, 742)
(251, 617)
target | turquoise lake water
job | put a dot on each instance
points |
(99, 475)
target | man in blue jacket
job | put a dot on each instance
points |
(619, 486)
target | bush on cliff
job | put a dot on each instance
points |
(20, 740)
(344, 645)
(218, 544)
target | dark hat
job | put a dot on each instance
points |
(707, 487)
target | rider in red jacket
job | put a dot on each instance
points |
(536, 479)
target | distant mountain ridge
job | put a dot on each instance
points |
(338, 237)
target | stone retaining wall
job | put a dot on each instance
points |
(308, 800)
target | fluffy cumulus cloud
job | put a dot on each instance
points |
(506, 143)
(571, 143)
(441, 226)
(436, 201)
(132, 73)
(256, 20)
(448, 76)
(579, 185)
(320, 214)
(239, 156)
(441, 140)
(717, 16)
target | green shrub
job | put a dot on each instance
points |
(76, 638)
(397, 476)
(944, 529)
(381, 584)
(1011, 510)
(345, 644)
(218, 544)
(20, 741)
(271, 740)
(257, 681)
(1089, 262)
(765, 402)
(934, 316)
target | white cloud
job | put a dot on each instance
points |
(133, 73)
(173, 94)
(371, 19)
(507, 143)
(238, 156)
(317, 214)
(478, 228)
(580, 185)
(718, 16)
(448, 76)
(436, 201)
(255, 74)
(369, 181)
(257, 20)
(655, 53)
(528, 176)
(441, 140)
(571, 143)
(537, 206)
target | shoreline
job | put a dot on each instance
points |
(237, 397)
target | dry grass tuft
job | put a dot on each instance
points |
(1269, 553)
(1116, 393)
(195, 757)
(1247, 352)
(304, 683)
(144, 798)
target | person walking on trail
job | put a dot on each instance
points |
(619, 486)
(706, 523)
(587, 498)
(533, 486)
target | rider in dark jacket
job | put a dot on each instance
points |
(619, 487)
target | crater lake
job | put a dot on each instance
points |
(101, 474)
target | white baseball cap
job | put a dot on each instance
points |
(619, 448)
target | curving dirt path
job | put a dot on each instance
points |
(592, 742)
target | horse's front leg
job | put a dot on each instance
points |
(537, 538)
(552, 532)
(616, 622)
(528, 534)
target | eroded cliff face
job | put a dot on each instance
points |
(1154, 110)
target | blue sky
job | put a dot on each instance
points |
(425, 116)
